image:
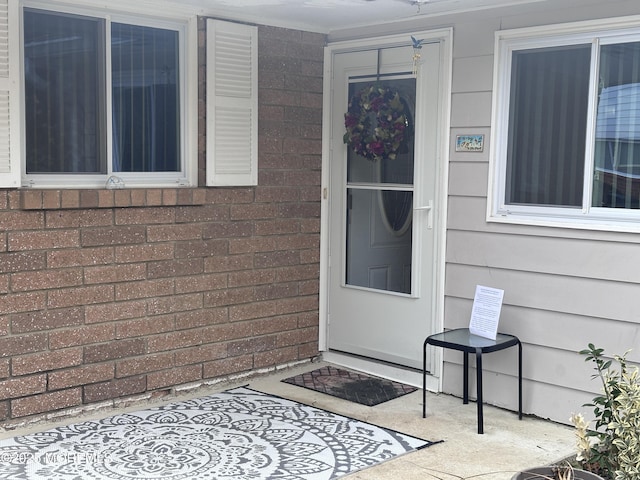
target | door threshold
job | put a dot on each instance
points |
(409, 376)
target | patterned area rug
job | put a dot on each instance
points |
(352, 386)
(240, 434)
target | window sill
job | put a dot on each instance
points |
(82, 199)
(594, 223)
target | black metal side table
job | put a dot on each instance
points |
(463, 340)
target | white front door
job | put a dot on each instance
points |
(382, 213)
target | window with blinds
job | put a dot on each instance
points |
(567, 131)
(102, 99)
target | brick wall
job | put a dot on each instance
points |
(109, 294)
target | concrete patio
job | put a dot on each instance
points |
(508, 445)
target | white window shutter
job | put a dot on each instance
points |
(232, 104)
(9, 94)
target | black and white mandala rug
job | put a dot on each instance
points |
(239, 434)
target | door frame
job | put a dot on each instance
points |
(445, 38)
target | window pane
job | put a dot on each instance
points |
(547, 126)
(145, 99)
(617, 153)
(63, 93)
(400, 169)
(379, 239)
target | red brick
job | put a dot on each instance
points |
(275, 357)
(277, 259)
(22, 302)
(252, 310)
(175, 376)
(154, 196)
(297, 304)
(201, 354)
(308, 350)
(221, 298)
(232, 331)
(175, 303)
(41, 362)
(4, 368)
(46, 320)
(70, 199)
(201, 318)
(22, 344)
(203, 214)
(228, 230)
(201, 283)
(278, 227)
(299, 242)
(43, 240)
(143, 253)
(176, 340)
(151, 363)
(47, 279)
(298, 337)
(21, 220)
(310, 256)
(253, 211)
(81, 336)
(78, 218)
(115, 388)
(251, 345)
(80, 296)
(273, 291)
(172, 233)
(144, 289)
(32, 199)
(122, 198)
(73, 377)
(220, 196)
(143, 327)
(169, 196)
(47, 402)
(204, 248)
(264, 326)
(88, 199)
(113, 350)
(308, 319)
(303, 210)
(310, 287)
(145, 216)
(20, 387)
(78, 257)
(251, 277)
(250, 245)
(228, 263)
(115, 311)
(300, 272)
(132, 234)
(175, 268)
(106, 199)
(227, 366)
(115, 273)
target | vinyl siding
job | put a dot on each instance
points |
(563, 288)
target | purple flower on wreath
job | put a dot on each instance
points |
(376, 123)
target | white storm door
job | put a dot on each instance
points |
(382, 213)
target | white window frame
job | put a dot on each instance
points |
(187, 33)
(596, 33)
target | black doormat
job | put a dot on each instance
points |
(355, 387)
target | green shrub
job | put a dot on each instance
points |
(612, 448)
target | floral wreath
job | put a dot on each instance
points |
(376, 123)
